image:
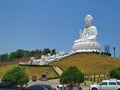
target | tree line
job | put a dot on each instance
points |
(20, 53)
(106, 51)
(24, 53)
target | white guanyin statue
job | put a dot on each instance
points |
(87, 41)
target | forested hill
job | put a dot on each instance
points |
(18, 54)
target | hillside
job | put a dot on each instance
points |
(89, 63)
(24, 59)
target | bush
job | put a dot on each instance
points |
(72, 74)
(115, 73)
(16, 76)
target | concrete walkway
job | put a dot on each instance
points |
(58, 70)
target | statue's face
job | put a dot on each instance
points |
(88, 20)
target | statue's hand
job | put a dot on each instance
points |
(93, 37)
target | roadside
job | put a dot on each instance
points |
(55, 82)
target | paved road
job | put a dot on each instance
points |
(55, 82)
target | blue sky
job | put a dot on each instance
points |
(39, 24)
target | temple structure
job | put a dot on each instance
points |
(88, 38)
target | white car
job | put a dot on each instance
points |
(60, 87)
(106, 85)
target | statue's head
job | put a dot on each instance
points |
(88, 20)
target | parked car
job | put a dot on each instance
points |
(112, 84)
(40, 87)
(60, 87)
(5, 84)
(9, 86)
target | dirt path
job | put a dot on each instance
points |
(58, 70)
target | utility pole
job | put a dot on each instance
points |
(114, 51)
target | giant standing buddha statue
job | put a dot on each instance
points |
(87, 41)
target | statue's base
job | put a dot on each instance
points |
(86, 47)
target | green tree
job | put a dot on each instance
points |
(72, 75)
(3, 57)
(46, 51)
(53, 51)
(31, 53)
(17, 54)
(107, 50)
(16, 76)
(12, 55)
(115, 73)
(38, 51)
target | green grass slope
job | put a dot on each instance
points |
(89, 63)
(37, 71)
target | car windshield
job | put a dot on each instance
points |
(118, 83)
(40, 87)
(5, 84)
(48, 87)
(61, 88)
(103, 83)
(35, 88)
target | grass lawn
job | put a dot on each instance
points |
(39, 71)
(89, 63)
(32, 71)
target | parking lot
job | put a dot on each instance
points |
(55, 82)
